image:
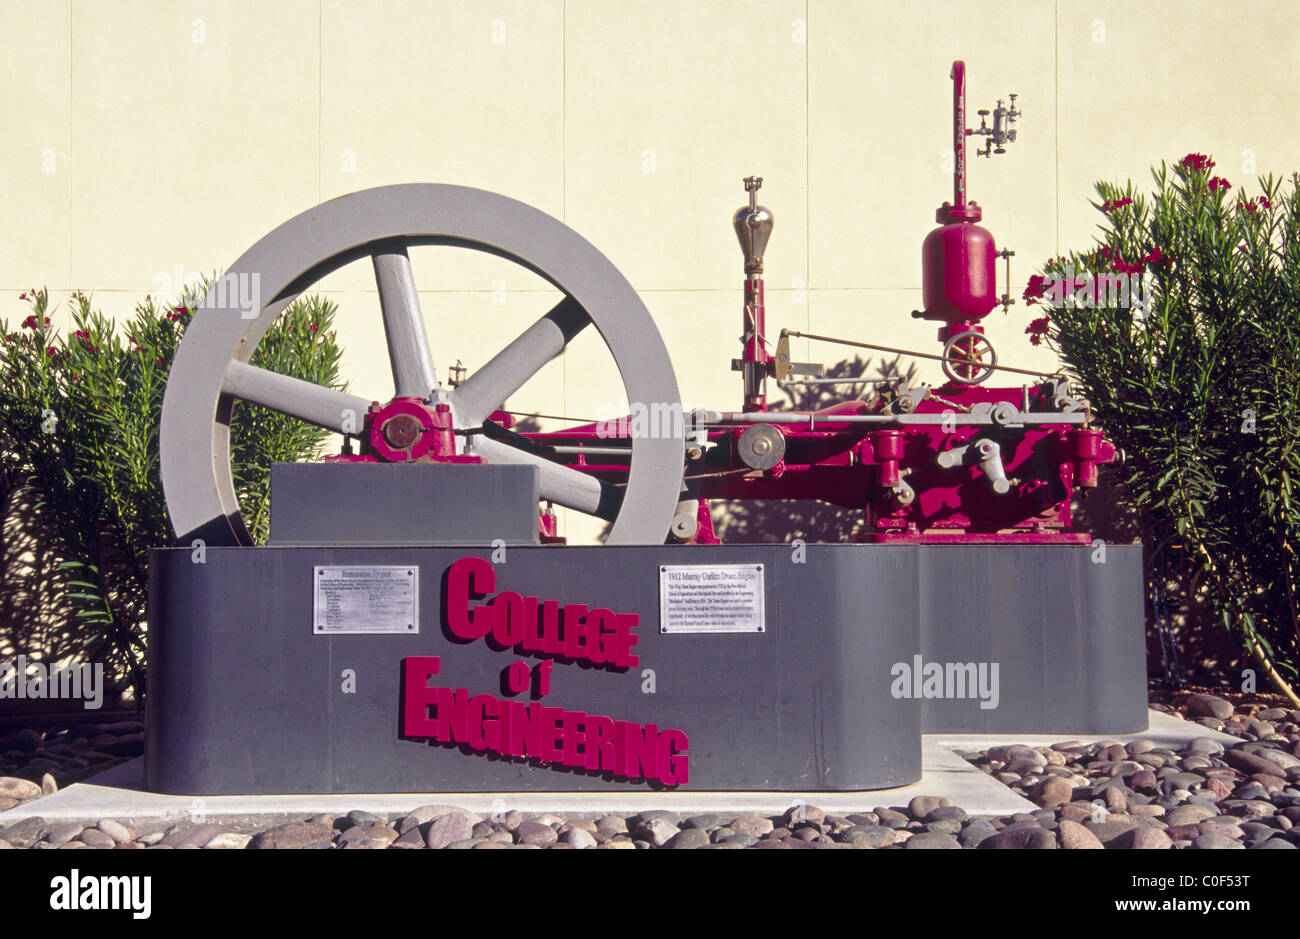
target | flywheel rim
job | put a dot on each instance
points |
(196, 473)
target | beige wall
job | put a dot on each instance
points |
(143, 138)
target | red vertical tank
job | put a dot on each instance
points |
(958, 260)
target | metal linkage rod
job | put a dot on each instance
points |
(723, 418)
(918, 355)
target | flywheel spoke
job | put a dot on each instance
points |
(559, 484)
(408, 344)
(487, 389)
(334, 410)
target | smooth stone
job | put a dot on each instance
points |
(892, 819)
(62, 834)
(1249, 763)
(17, 788)
(232, 840)
(946, 812)
(876, 836)
(1114, 826)
(423, 814)
(1014, 838)
(1115, 797)
(1013, 752)
(944, 826)
(803, 813)
(118, 831)
(1145, 780)
(292, 835)
(96, 838)
(1273, 843)
(1249, 808)
(863, 818)
(921, 806)
(972, 837)
(740, 839)
(688, 838)
(414, 838)
(1250, 831)
(1053, 791)
(1208, 705)
(611, 823)
(1151, 811)
(535, 832)
(195, 836)
(448, 828)
(703, 821)
(1214, 843)
(1141, 839)
(377, 831)
(1075, 837)
(671, 817)
(1189, 814)
(928, 840)
(1077, 812)
(656, 831)
(754, 825)
(25, 833)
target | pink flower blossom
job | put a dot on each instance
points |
(1037, 329)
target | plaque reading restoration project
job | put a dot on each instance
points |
(366, 599)
(718, 598)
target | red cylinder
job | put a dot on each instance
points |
(959, 270)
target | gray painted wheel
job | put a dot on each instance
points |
(211, 370)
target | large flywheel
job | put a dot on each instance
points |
(211, 369)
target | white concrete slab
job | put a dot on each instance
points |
(118, 793)
(1164, 730)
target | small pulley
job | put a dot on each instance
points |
(761, 447)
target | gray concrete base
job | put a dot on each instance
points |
(119, 792)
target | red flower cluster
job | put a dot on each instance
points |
(31, 323)
(177, 314)
(1109, 206)
(1252, 205)
(1158, 257)
(1036, 288)
(85, 341)
(1198, 162)
(1036, 330)
(1218, 183)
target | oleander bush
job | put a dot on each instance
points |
(79, 422)
(1182, 325)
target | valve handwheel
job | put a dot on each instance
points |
(211, 369)
(969, 357)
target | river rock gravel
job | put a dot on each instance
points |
(1097, 796)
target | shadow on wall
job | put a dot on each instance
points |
(35, 621)
(36, 618)
(1185, 642)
